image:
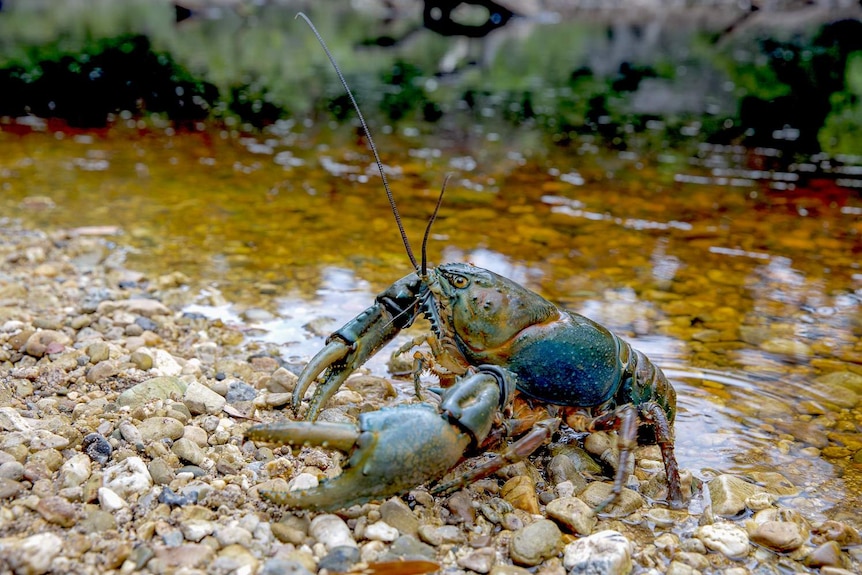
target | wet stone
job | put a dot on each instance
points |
(573, 514)
(843, 534)
(728, 494)
(779, 536)
(724, 538)
(535, 543)
(605, 552)
(598, 493)
(826, 555)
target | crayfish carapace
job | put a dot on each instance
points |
(502, 340)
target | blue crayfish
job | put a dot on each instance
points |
(502, 341)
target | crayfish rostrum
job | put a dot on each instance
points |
(501, 340)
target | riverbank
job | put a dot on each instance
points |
(122, 450)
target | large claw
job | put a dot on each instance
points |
(357, 340)
(391, 451)
(345, 350)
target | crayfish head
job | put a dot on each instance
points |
(486, 311)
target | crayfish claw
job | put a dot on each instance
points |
(326, 358)
(390, 452)
(340, 436)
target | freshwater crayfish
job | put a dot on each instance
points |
(501, 340)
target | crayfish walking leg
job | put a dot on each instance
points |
(626, 420)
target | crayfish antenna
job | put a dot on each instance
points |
(433, 217)
(370, 141)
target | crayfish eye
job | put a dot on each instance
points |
(458, 281)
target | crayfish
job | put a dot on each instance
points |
(501, 340)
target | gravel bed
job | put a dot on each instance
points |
(122, 449)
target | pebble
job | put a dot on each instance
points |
(11, 470)
(31, 555)
(233, 534)
(339, 559)
(57, 510)
(603, 553)
(201, 399)
(728, 494)
(381, 531)
(479, 561)
(97, 448)
(188, 451)
(43, 439)
(781, 536)
(828, 554)
(183, 557)
(534, 543)
(397, 514)
(155, 388)
(438, 535)
(9, 488)
(573, 514)
(75, 470)
(332, 531)
(109, 501)
(128, 478)
(197, 529)
(408, 547)
(598, 493)
(154, 429)
(725, 538)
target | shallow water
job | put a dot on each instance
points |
(743, 282)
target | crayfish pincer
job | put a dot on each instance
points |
(500, 340)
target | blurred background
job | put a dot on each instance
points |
(686, 172)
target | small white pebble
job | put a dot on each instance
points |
(381, 531)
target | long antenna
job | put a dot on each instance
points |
(428, 227)
(370, 143)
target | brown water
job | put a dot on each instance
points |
(743, 282)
